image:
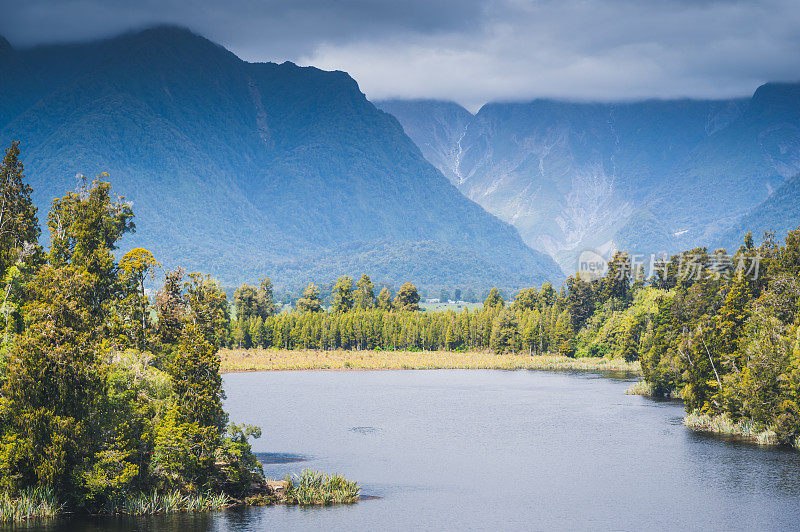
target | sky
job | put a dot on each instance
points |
(471, 51)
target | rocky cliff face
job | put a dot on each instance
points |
(645, 176)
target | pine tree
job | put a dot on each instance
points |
(18, 222)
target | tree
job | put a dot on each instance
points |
(457, 294)
(407, 298)
(266, 298)
(208, 307)
(18, 221)
(617, 281)
(527, 299)
(135, 268)
(53, 380)
(310, 301)
(444, 296)
(580, 301)
(494, 299)
(505, 332)
(385, 300)
(245, 299)
(563, 335)
(364, 297)
(342, 294)
(170, 307)
(85, 226)
(547, 295)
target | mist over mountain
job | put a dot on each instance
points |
(245, 169)
(648, 176)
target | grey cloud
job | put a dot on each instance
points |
(474, 51)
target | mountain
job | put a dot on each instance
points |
(779, 213)
(647, 176)
(245, 169)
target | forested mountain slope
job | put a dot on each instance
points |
(245, 170)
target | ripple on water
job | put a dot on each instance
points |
(364, 430)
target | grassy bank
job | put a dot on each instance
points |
(37, 503)
(744, 429)
(313, 487)
(309, 488)
(235, 360)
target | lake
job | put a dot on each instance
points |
(467, 449)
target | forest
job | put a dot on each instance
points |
(108, 404)
(111, 394)
(718, 331)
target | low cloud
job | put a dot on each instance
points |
(474, 51)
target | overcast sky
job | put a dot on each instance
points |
(471, 51)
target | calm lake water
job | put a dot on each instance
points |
(494, 449)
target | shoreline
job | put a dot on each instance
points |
(255, 360)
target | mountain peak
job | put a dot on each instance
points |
(777, 97)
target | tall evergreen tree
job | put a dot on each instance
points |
(18, 221)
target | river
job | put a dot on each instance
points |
(456, 449)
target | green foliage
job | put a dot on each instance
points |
(313, 487)
(364, 297)
(310, 301)
(18, 222)
(505, 332)
(98, 404)
(407, 298)
(494, 299)
(343, 294)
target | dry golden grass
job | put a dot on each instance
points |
(234, 360)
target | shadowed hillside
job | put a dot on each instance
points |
(245, 170)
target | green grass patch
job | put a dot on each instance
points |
(314, 487)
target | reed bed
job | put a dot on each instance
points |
(314, 487)
(640, 388)
(34, 503)
(167, 502)
(745, 429)
(238, 360)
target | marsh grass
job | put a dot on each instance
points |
(31, 504)
(167, 502)
(640, 388)
(236, 360)
(745, 429)
(314, 487)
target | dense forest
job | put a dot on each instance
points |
(108, 403)
(719, 331)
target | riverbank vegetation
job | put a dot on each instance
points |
(719, 331)
(109, 402)
(238, 360)
(313, 487)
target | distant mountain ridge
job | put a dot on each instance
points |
(650, 176)
(245, 169)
